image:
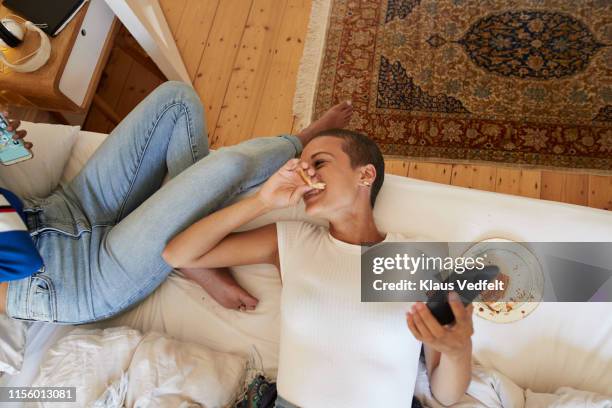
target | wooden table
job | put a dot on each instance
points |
(40, 89)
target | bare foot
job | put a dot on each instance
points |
(335, 118)
(221, 285)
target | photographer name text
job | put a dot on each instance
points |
(430, 284)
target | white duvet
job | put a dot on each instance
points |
(120, 367)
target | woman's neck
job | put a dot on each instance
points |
(356, 228)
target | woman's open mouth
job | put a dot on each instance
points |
(311, 194)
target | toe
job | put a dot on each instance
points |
(249, 301)
(343, 105)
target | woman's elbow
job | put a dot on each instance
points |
(448, 398)
(170, 257)
(446, 401)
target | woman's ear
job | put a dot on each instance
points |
(367, 175)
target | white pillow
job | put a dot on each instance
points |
(39, 176)
(84, 147)
(12, 344)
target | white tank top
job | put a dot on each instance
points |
(336, 351)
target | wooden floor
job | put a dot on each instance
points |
(243, 57)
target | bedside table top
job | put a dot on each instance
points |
(41, 85)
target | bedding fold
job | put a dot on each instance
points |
(491, 389)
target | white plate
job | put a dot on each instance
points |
(526, 283)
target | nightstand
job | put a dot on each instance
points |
(69, 79)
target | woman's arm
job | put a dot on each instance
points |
(449, 374)
(209, 242)
(448, 349)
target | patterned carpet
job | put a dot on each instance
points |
(524, 82)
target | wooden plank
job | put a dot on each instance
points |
(576, 189)
(106, 110)
(173, 11)
(508, 181)
(397, 166)
(600, 192)
(275, 114)
(478, 177)
(249, 74)
(193, 31)
(484, 177)
(111, 86)
(115, 77)
(436, 172)
(96, 121)
(215, 68)
(139, 57)
(565, 187)
(530, 183)
(462, 175)
(553, 185)
(524, 183)
(140, 82)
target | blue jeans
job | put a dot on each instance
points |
(101, 235)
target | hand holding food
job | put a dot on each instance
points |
(308, 181)
(288, 185)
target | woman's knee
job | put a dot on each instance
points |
(182, 93)
(185, 102)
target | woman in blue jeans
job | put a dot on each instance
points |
(101, 235)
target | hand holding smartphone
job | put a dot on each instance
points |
(11, 151)
(438, 302)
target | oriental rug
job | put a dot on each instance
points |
(519, 82)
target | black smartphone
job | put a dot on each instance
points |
(438, 302)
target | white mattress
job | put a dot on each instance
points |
(558, 344)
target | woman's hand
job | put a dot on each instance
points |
(453, 340)
(285, 188)
(13, 126)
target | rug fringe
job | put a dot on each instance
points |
(310, 65)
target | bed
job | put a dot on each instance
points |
(559, 344)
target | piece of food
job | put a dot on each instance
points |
(307, 180)
(496, 295)
(319, 186)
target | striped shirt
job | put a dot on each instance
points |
(18, 255)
